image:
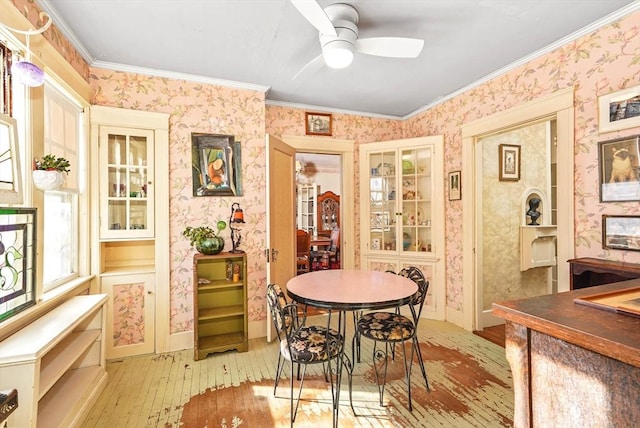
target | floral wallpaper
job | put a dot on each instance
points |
(599, 63)
(197, 107)
(604, 61)
(128, 314)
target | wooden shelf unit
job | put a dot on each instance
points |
(589, 272)
(57, 364)
(219, 304)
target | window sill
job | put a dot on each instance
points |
(48, 301)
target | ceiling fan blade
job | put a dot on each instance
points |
(393, 47)
(314, 64)
(314, 13)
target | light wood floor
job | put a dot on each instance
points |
(470, 381)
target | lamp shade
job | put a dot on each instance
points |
(27, 73)
(237, 215)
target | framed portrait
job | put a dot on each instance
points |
(621, 232)
(18, 238)
(619, 170)
(216, 165)
(455, 186)
(318, 123)
(619, 110)
(509, 162)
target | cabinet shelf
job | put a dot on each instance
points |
(63, 356)
(221, 312)
(220, 306)
(66, 401)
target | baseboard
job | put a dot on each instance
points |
(180, 341)
(257, 329)
(455, 316)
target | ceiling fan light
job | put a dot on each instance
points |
(27, 73)
(338, 54)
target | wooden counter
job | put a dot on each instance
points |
(572, 365)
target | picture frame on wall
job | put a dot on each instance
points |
(318, 123)
(619, 110)
(455, 186)
(216, 165)
(619, 169)
(621, 232)
(509, 167)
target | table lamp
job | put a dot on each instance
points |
(236, 218)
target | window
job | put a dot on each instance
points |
(63, 137)
(5, 79)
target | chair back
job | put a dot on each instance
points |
(416, 275)
(335, 239)
(283, 314)
(303, 241)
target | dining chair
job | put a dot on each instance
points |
(303, 251)
(303, 345)
(392, 328)
(330, 257)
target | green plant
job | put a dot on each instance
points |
(52, 163)
(196, 234)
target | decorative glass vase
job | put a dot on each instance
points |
(48, 179)
(210, 246)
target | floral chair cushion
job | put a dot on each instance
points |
(386, 326)
(309, 345)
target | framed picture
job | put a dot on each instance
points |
(18, 238)
(216, 165)
(379, 221)
(509, 162)
(619, 110)
(455, 186)
(619, 170)
(318, 123)
(621, 232)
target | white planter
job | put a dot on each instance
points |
(48, 180)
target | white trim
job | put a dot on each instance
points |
(329, 109)
(558, 105)
(346, 148)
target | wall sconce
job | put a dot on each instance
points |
(236, 218)
(26, 72)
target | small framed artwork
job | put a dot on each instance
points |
(621, 232)
(619, 110)
(509, 162)
(619, 169)
(215, 165)
(455, 186)
(318, 123)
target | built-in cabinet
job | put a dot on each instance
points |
(130, 151)
(220, 303)
(402, 210)
(306, 215)
(57, 364)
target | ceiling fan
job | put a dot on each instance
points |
(338, 26)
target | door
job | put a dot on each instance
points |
(130, 314)
(281, 264)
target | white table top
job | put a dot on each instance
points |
(350, 289)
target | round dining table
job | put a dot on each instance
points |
(344, 290)
(351, 289)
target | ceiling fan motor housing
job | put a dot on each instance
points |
(338, 50)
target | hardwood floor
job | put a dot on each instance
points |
(493, 334)
(470, 381)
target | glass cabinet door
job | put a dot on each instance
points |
(400, 200)
(382, 201)
(416, 199)
(127, 192)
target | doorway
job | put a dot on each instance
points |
(505, 217)
(556, 107)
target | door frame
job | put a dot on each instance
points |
(558, 106)
(346, 149)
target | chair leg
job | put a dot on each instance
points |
(407, 372)
(381, 378)
(279, 368)
(416, 344)
(294, 411)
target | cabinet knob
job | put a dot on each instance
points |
(149, 292)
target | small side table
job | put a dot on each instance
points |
(8, 403)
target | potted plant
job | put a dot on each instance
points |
(205, 238)
(48, 172)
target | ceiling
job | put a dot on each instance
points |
(262, 44)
